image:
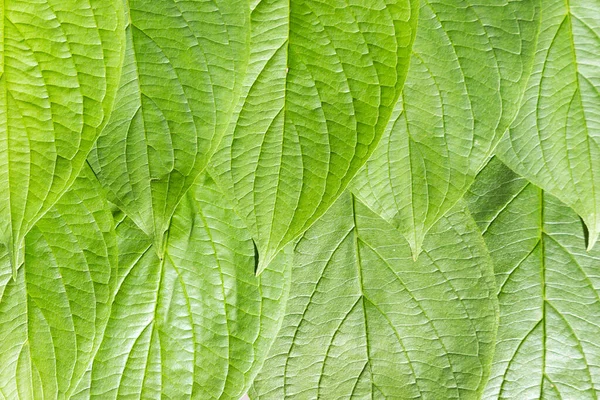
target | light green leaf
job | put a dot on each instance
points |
(548, 290)
(467, 73)
(182, 65)
(60, 62)
(366, 321)
(53, 315)
(322, 79)
(555, 140)
(197, 324)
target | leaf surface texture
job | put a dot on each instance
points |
(321, 82)
(548, 290)
(366, 321)
(183, 63)
(555, 140)
(60, 63)
(467, 73)
(197, 324)
(52, 317)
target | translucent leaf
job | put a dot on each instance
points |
(182, 65)
(53, 315)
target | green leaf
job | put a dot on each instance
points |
(53, 315)
(60, 62)
(322, 79)
(555, 140)
(197, 324)
(467, 73)
(366, 321)
(182, 65)
(548, 290)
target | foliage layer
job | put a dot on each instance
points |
(299, 199)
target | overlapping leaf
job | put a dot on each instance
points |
(60, 63)
(366, 321)
(322, 79)
(467, 73)
(555, 140)
(548, 289)
(182, 66)
(53, 315)
(197, 324)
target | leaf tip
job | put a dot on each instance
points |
(414, 235)
(261, 262)
(591, 231)
(16, 257)
(159, 245)
(415, 248)
(260, 266)
(592, 239)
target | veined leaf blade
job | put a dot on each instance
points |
(60, 65)
(467, 74)
(322, 79)
(548, 290)
(555, 140)
(183, 64)
(366, 321)
(53, 315)
(197, 324)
